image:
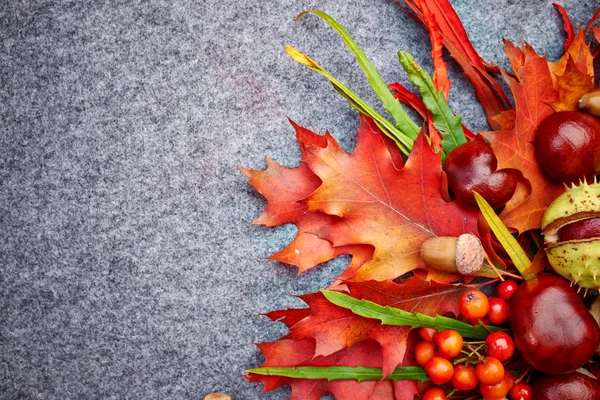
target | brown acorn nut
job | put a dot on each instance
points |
(217, 396)
(462, 254)
(571, 228)
(590, 103)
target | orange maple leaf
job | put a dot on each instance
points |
(514, 147)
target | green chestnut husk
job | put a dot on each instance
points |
(577, 260)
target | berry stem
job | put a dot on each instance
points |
(484, 326)
(492, 266)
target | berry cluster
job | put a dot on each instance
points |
(466, 365)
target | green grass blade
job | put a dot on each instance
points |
(404, 143)
(510, 244)
(444, 120)
(337, 373)
(397, 317)
(403, 122)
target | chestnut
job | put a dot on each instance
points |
(579, 230)
(573, 386)
(567, 144)
(552, 329)
(472, 166)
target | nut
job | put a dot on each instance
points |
(590, 103)
(573, 248)
(217, 396)
(462, 254)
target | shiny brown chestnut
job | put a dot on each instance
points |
(472, 167)
(552, 329)
(567, 144)
(572, 386)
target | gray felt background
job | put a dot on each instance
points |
(128, 267)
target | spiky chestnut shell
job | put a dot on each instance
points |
(577, 259)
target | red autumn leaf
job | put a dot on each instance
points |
(291, 353)
(455, 39)
(413, 101)
(364, 204)
(335, 328)
(283, 188)
(532, 89)
(579, 53)
(568, 25)
(572, 84)
(393, 210)
(440, 68)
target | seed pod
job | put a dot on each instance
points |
(572, 236)
(462, 254)
(590, 103)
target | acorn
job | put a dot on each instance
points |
(462, 254)
(590, 103)
(217, 396)
(571, 229)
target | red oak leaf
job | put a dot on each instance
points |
(335, 328)
(392, 210)
(532, 89)
(291, 353)
(360, 204)
(283, 188)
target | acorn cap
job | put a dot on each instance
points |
(469, 254)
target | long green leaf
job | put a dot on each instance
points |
(444, 120)
(510, 244)
(404, 143)
(403, 122)
(337, 373)
(397, 317)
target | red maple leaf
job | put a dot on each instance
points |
(335, 328)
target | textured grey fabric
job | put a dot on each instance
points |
(128, 267)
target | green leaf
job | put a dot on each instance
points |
(403, 122)
(404, 143)
(397, 317)
(444, 120)
(337, 373)
(510, 244)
